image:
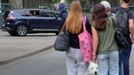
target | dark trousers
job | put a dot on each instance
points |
(124, 56)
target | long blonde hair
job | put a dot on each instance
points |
(74, 18)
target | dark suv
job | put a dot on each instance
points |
(21, 22)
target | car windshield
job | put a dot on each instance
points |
(15, 14)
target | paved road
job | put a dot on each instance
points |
(50, 62)
(47, 63)
(13, 46)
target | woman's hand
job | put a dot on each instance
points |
(94, 58)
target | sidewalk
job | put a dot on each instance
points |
(16, 48)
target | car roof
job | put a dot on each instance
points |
(27, 11)
(41, 10)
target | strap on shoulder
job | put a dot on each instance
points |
(114, 21)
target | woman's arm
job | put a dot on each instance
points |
(95, 42)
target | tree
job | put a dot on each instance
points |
(16, 4)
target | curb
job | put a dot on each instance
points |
(25, 55)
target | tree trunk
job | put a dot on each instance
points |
(16, 4)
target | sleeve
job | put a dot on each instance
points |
(130, 14)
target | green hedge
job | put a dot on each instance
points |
(87, 10)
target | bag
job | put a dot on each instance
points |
(62, 41)
(120, 39)
(119, 36)
(85, 41)
(122, 21)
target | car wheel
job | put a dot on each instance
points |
(12, 33)
(22, 30)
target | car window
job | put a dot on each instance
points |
(20, 12)
(51, 14)
(47, 14)
(14, 14)
(35, 13)
(44, 14)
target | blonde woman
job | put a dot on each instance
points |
(74, 60)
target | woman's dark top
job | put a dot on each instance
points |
(74, 40)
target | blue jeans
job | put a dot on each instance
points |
(124, 56)
(75, 63)
(108, 64)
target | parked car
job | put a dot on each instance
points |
(23, 21)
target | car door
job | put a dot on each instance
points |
(34, 19)
(49, 21)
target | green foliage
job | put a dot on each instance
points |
(86, 10)
(55, 1)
